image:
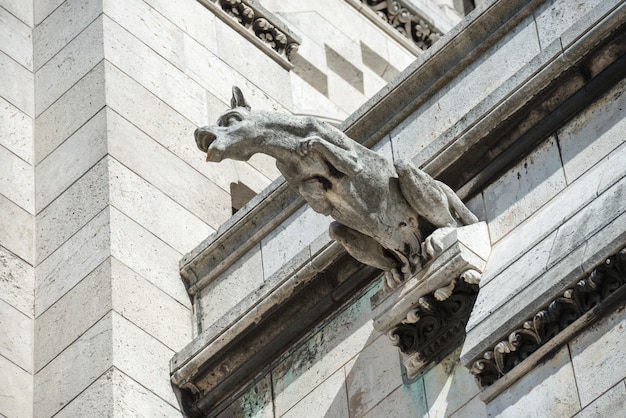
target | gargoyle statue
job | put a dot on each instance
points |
(379, 207)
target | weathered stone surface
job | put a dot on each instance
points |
(256, 402)
(610, 403)
(137, 198)
(164, 318)
(407, 400)
(367, 385)
(327, 399)
(95, 400)
(61, 26)
(72, 210)
(23, 10)
(74, 369)
(69, 65)
(144, 156)
(155, 73)
(16, 229)
(17, 280)
(66, 115)
(72, 261)
(16, 180)
(16, 84)
(74, 313)
(17, 129)
(17, 390)
(596, 356)
(524, 189)
(145, 254)
(17, 336)
(549, 390)
(150, 367)
(71, 160)
(557, 16)
(43, 8)
(17, 36)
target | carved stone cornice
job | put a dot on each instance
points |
(426, 315)
(258, 25)
(605, 284)
(404, 20)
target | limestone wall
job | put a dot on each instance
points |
(17, 209)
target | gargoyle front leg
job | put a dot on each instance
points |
(343, 160)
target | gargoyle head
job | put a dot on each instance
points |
(231, 136)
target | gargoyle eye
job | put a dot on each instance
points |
(227, 120)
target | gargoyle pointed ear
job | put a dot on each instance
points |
(238, 100)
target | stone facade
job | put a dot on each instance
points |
(519, 108)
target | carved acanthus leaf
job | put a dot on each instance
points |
(550, 321)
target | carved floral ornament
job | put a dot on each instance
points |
(404, 21)
(257, 22)
(587, 294)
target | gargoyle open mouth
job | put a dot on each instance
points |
(204, 139)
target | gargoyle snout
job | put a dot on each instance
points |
(204, 138)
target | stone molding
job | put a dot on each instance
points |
(259, 26)
(566, 314)
(402, 21)
(426, 316)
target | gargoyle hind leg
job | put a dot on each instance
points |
(362, 247)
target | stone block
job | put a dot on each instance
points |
(448, 386)
(16, 180)
(406, 401)
(247, 58)
(323, 354)
(154, 210)
(17, 336)
(16, 229)
(256, 402)
(72, 261)
(43, 8)
(163, 317)
(154, 72)
(16, 85)
(597, 357)
(18, 40)
(17, 280)
(148, 159)
(23, 10)
(142, 358)
(74, 369)
(132, 399)
(547, 391)
(17, 390)
(66, 115)
(61, 26)
(475, 408)
(69, 65)
(71, 160)
(289, 238)
(150, 26)
(611, 403)
(192, 17)
(557, 16)
(74, 313)
(72, 209)
(367, 385)
(147, 255)
(594, 133)
(327, 400)
(17, 131)
(523, 189)
(241, 279)
(95, 400)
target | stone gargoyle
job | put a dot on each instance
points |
(380, 209)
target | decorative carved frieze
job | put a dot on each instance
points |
(426, 315)
(587, 294)
(406, 21)
(253, 21)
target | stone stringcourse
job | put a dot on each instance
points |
(590, 292)
(259, 25)
(405, 21)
